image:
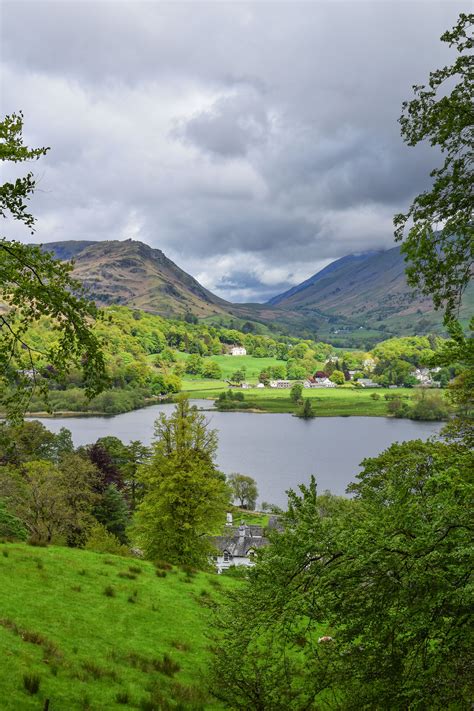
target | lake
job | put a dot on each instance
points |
(280, 451)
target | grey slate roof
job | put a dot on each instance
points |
(239, 540)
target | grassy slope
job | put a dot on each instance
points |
(229, 364)
(59, 593)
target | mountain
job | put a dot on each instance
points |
(357, 300)
(334, 266)
(370, 289)
(134, 274)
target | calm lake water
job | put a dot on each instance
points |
(280, 451)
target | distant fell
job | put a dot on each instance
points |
(334, 266)
(133, 274)
(370, 288)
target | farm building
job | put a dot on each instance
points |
(237, 351)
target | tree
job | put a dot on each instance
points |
(429, 406)
(185, 495)
(26, 441)
(210, 369)
(296, 392)
(10, 526)
(306, 409)
(386, 576)
(194, 364)
(35, 286)
(337, 377)
(238, 376)
(244, 489)
(112, 512)
(439, 245)
(52, 500)
(137, 454)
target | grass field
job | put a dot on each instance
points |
(327, 402)
(229, 364)
(102, 632)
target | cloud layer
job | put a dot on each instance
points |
(253, 143)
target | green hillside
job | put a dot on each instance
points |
(102, 632)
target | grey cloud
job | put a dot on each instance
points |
(242, 139)
(231, 127)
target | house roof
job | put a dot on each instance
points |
(239, 540)
(239, 547)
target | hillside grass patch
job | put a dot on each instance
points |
(92, 651)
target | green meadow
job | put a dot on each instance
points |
(229, 364)
(327, 402)
(91, 631)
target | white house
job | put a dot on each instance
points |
(238, 351)
(368, 383)
(425, 377)
(319, 383)
(239, 545)
(281, 383)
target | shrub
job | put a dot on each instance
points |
(128, 576)
(31, 682)
(101, 540)
(428, 406)
(397, 408)
(109, 591)
(11, 528)
(161, 573)
(162, 565)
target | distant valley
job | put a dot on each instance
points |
(356, 299)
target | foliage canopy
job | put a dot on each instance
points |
(439, 245)
(34, 286)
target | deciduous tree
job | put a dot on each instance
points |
(244, 489)
(439, 245)
(34, 286)
(185, 495)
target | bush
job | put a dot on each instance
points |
(398, 408)
(429, 406)
(11, 528)
(102, 541)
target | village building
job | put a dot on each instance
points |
(424, 377)
(281, 383)
(368, 383)
(319, 383)
(237, 351)
(239, 545)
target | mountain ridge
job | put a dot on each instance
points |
(359, 292)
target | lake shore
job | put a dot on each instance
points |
(330, 402)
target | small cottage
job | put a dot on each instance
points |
(281, 383)
(239, 545)
(237, 351)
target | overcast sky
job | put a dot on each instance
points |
(252, 143)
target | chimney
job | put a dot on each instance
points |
(242, 528)
(229, 520)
